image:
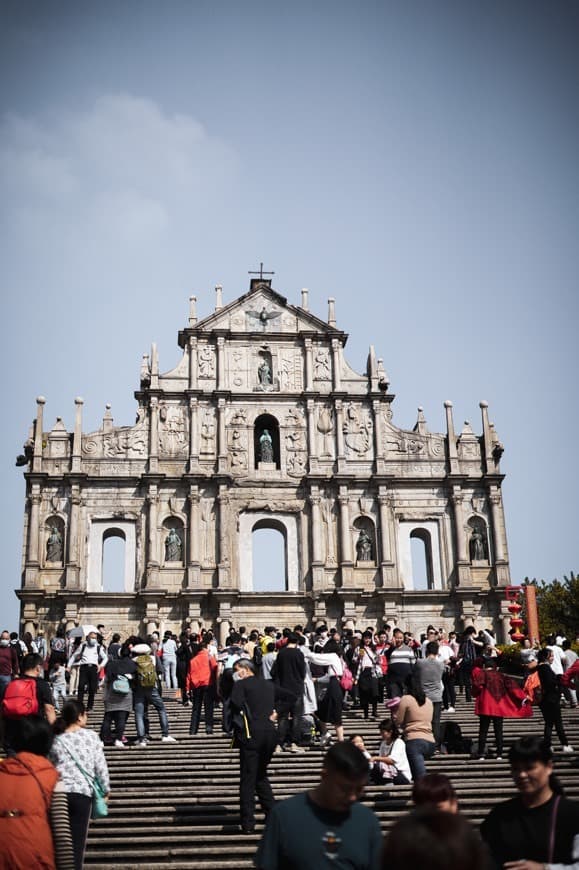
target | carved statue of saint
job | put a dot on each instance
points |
(173, 546)
(364, 547)
(264, 374)
(265, 447)
(54, 546)
(477, 546)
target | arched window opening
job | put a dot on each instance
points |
(269, 551)
(114, 555)
(266, 441)
(421, 555)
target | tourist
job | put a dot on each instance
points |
(430, 671)
(253, 707)
(367, 675)
(57, 680)
(201, 686)
(497, 697)
(470, 647)
(329, 691)
(401, 660)
(91, 657)
(434, 840)
(414, 716)
(435, 790)
(8, 662)
(168, 652)
(183, 656)
(115, 646)
(77, 754)
(289, 673)
(391, 764)
(539, 827)
(145, 692)
(34, 822)
(27, 695)
(120, 676)
(326, 826)
(550, 704)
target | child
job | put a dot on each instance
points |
(391, 764)
(57, 678)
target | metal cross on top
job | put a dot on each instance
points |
(261, 273)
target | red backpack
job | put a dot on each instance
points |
(20, 698)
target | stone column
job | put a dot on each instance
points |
(72, 568)
(340, 452)
(34, 526)
(154, 434)
(463, 567)
(309, 364)
(317, 552)
(224, 628)
(193, 434)
(385, 514)
(77, 437)
(193, 362)
(37, 456)
(497, 518)
(345, 535)
(153, 504)
(221, 385)
(336, 379)
(193, 533)
(378, 433)
(311, 429)
(223, 522)
(221, 437)
(451, 439)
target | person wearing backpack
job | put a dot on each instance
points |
(27, 695)
(8, 662)
(91, 657)
(146, 692)
(120, 677)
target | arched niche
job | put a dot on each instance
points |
(266, 441)
(364, 541)
(478, 540)
(173, 542)
(425, 534)
(54, 542)
(100, 532)
(287, 525)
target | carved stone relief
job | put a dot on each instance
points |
(327, 506)
(322, 364)
(237, 444)
(127, 442)
(206, 361)
(207, 537)
(357, 429)
(208, 433)
(172, 430)
(325, 427)
(290, 371)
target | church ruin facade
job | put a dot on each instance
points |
(264, 425)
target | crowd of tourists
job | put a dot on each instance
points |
(276, 691)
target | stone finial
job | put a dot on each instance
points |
(154, 360)
(420, 425)
(192, 310)
(218, 297)
(383, 379)
(145, 369)
(448, 404)
(79, 400)
(40, 400)
(331, 311)
(107, 418)
(305, 303)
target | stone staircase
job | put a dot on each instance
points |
(176, 804)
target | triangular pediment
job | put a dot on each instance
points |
(263, 310)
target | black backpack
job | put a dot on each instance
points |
(452, 740)
(257, 656)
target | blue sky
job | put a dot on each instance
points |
(415, 160)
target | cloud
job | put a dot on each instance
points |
(122, 170)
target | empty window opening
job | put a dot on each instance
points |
(269, 560)
(421, 555)
(114, 546)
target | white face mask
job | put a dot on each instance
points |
(237, 676)
(4, 642)
(91, 641)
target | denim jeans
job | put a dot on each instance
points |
(4, 681)
(170, 672)
(417, 751)
(150, 696)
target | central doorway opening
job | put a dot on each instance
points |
(269, 551)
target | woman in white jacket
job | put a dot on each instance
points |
(330, 706)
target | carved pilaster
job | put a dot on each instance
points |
(73, 537)
(193, 434)
(345, 535)
(496, 503)
(463, 566)
(336, 378)
(193, 368)
(224, 567)
(311, 432)
(76, 441)
(153, 434)
(340, 452)
(317, 552)
(193, 572)
(221, 436)
(34, 526)
(309, 364)
(221, 385)
(153, 544)
(378, 435)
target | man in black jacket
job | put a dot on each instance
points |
(289, 673)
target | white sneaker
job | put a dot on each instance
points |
(278, 750)
(120, 744)
(450, 710)
(295, 748)
(142, 743)
(168, 739)
(568, 748)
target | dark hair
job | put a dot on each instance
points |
(270, 647)
(292, 637)
(414, 688)
(347, 759)
(33, 734)
(31, 661)
(397, 631)
(332, 646)
(72, 710)
(431, 838)
(391, 726)
(432, 648)
(116, 638)
(543, 654)
(246, 664)
(529, 749)
(433, 788)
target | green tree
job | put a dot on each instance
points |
(558, 605)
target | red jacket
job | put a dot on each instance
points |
(202, 670)
(498, 695)
(571, 674)
(26, 837)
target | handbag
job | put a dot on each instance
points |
(100, 807)
(121, 685)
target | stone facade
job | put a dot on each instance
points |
(263, 424)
